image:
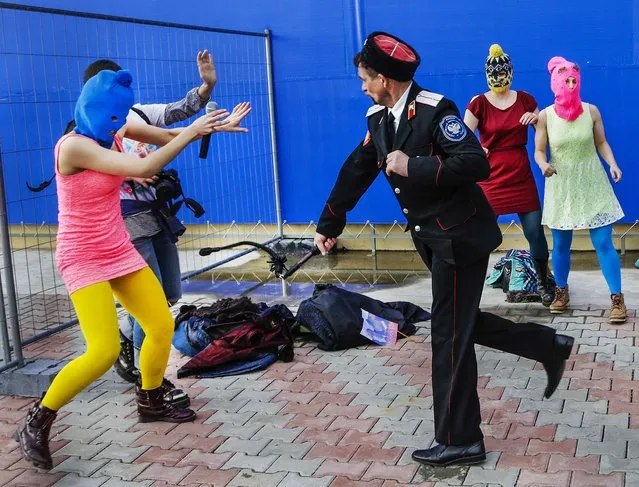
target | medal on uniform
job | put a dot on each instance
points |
(411, 110)
(367, 139)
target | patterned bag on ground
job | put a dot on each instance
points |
(515, 274)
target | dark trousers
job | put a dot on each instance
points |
(457, 324)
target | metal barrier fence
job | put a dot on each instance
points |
(43, 53)
(381, 234)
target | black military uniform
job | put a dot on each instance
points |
(454, 230)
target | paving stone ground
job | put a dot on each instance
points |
(352, 418)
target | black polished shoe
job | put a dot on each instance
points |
(444, 456)
(562, 347)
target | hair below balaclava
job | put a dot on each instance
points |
(499, 69)
(103, 106)
(567, 101)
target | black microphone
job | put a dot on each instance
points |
(206, 140)
(207, 251)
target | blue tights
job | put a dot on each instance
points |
(606, 253)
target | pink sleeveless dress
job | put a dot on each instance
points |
(92, 243)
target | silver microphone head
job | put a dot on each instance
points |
(211, 107)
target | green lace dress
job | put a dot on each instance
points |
(580, 195)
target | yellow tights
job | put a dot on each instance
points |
(142, 295)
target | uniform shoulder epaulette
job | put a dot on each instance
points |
(374, 109)
(429, 98)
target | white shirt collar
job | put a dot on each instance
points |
(398, 108)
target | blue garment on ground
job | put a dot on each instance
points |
(237, 368)
(190, 338)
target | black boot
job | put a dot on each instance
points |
(125, 364)
(152, 406)
(125, 368)
(173, 395)
(33, 436)
(545, 283)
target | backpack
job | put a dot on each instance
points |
(516, 275)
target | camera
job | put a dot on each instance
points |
(168, 186)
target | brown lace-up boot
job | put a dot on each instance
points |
(561, 302)
(33, 436)
(152, 406)
(618, 312)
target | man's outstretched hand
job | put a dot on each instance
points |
(324, 244)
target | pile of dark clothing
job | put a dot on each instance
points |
(333, 316)
(233, 336)
(236, 336)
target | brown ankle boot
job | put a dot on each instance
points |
(152, 406)
(561, 302)
(618, 312)
(33, 436)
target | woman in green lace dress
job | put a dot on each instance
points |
(578, 193)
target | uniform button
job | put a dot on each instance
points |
(417, 228)
(405, 210)
(397, 191)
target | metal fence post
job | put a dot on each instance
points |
(373, 239)
(7, 267)
(5, 344)
(271, 110)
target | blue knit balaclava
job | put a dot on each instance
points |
(103, 106)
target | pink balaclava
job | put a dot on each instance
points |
(567, 101)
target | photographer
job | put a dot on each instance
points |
(153, 231)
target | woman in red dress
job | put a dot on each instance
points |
(502, 117)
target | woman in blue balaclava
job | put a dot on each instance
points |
(96, 258)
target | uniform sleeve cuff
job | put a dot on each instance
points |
(425, 170)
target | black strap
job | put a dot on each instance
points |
(190, 203)
(42, 186)
(69, 128)
(142, 115)
(45, 184)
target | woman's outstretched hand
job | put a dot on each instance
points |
(238, 114)
(209, 123)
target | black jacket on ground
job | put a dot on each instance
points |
(334, 316)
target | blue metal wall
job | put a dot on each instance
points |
(320, 108)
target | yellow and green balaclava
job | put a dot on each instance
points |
(499, 69)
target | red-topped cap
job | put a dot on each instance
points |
(390, 56)
(395, 48)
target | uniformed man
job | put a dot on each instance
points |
(432, 163)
